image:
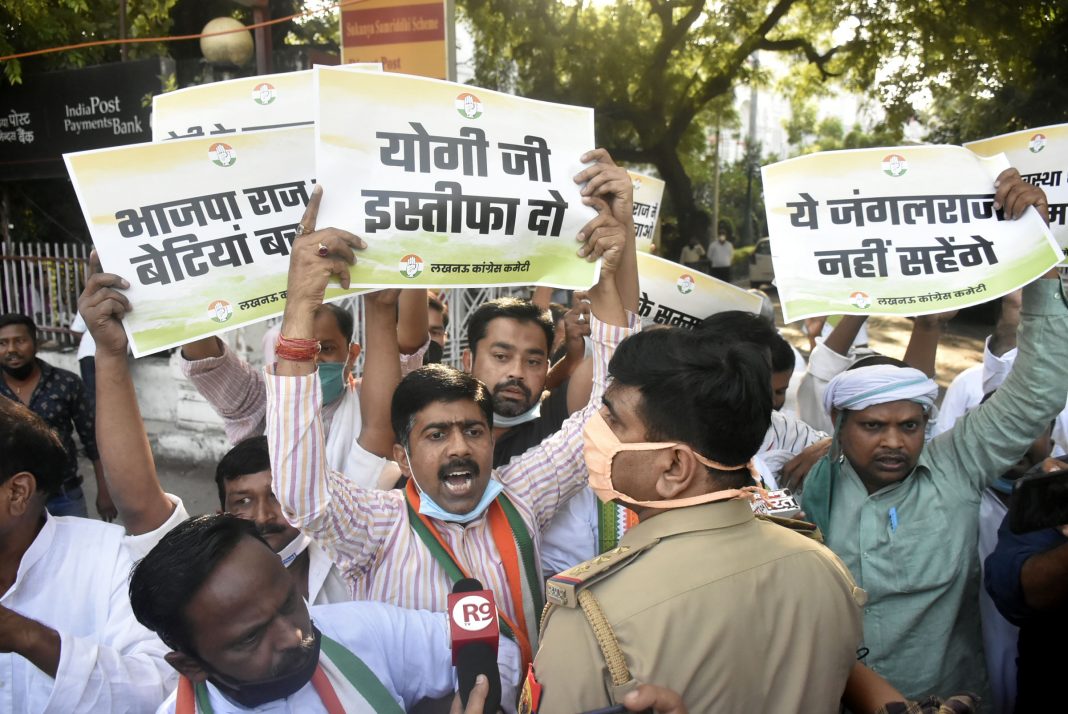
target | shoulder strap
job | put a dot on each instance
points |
(360, 677)
(622, 679)
(526, 550)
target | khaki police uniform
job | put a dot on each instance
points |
(734, 613)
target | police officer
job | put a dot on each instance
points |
(731, 612)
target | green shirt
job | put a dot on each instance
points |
(921, 622)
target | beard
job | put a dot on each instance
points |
(19, 373)
(506, 406)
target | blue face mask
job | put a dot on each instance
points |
(331, 380)
(430, 509)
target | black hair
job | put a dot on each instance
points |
(437, 306)
(249, 457)
(434, 383)
(164, 582)
(28, 444)
(714, 396)
(874, 360)
(746, 327)
(345, 323)
(512, 308)
(17, 318)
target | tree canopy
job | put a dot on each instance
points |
(654, 68)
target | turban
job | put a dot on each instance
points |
(858, 389)
(864, 387)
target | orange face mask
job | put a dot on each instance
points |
(601, 446)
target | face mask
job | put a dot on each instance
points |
(294, 548)
(600, 446)
(508, 422)
(254, 694)
(430, 509)
(20, 373)
(331, 380)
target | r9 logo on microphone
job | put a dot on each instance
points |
(473, 613)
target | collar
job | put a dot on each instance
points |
(705, 517)
(36, 552)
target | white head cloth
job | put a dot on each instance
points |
(860, 388)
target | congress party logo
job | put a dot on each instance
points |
(685, 284)
(860, 299)
(469, 106)
(411, 266)
(263, 93)
(222, 154)
(1037, 143)
(894, 165)
(220, 311)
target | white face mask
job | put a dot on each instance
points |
(508, 422)
(294, 548)
(429, 508)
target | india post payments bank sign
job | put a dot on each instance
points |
(53, 113)
(406, 36)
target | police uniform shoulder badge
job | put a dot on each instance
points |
(562, 589)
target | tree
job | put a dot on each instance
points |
(651, 68)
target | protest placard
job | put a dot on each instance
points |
(672, 294)
(452, 185)
(221, 109)
(648, 195)
(903, 231)
(201, 228)
(1041, 155)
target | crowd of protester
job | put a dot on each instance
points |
(599, 481)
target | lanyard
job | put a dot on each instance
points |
(514, 544)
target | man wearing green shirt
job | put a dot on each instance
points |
(904, 517)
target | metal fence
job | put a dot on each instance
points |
(43, 281)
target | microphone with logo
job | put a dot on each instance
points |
(475, 632)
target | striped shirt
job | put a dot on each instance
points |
(367, 532)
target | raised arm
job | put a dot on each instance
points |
(923, 344)
(991, 438)
(413, 321)
(348, 522)
(229, 384)
(612, 184)
(381, 369)
(123, 444)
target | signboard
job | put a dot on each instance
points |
(406, 36)
(901, 231)
(57, 112)
(1041, 156)
(201, 228)
(648, 195)
(451, 185)
(268, 101)
(672, 294)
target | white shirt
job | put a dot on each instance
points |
(325, 584)
(824, 364)
(408, 650)
(74, 579)
(969, 387)
(570, 537)
(87, 347)
(720, 255)
(999, 635)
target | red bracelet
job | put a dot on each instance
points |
(296, 350)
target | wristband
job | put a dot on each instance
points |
(296, 350)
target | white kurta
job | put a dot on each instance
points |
(325, 584)
(74, 579)
(408, 650)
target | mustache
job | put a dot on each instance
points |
(269, 529)
(892, 453)
(296, 657)
(509, 383)
(455, 464)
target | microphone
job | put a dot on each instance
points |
(475, 632)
